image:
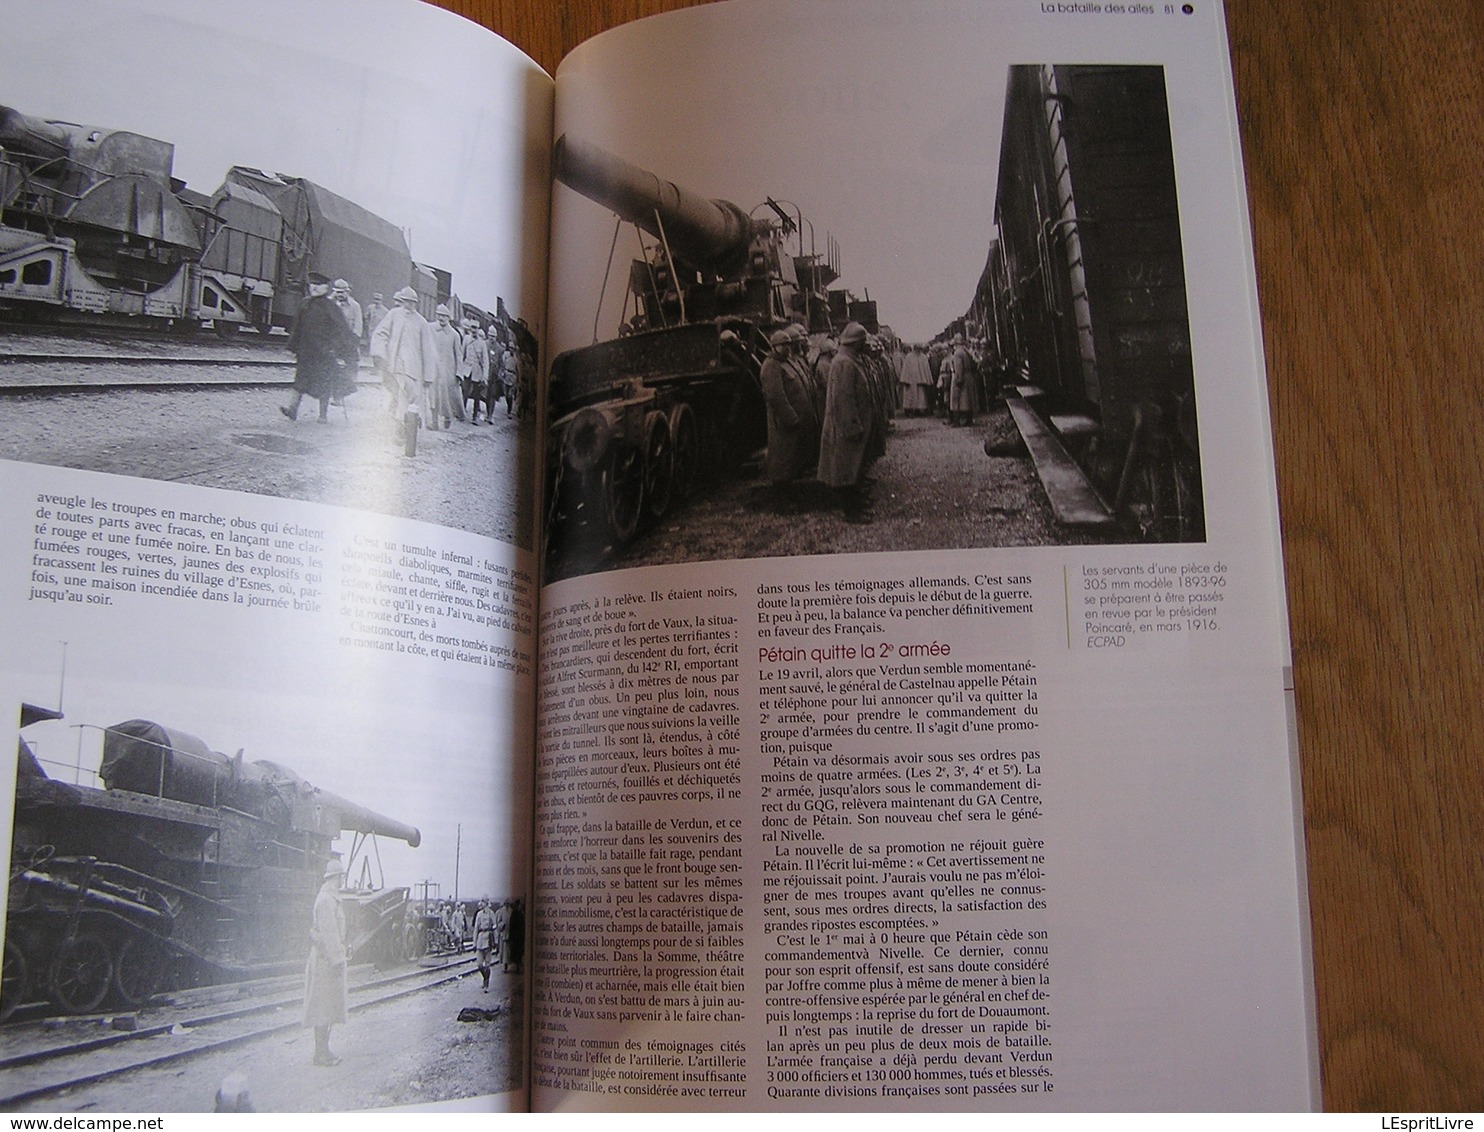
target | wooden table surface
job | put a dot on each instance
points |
(1363, 130)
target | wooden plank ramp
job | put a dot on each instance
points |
(1074, 500)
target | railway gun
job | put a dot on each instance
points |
(186, 868)
(639, 421)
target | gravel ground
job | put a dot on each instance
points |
(935, 489)
(468, 477)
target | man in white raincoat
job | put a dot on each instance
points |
(325, 988)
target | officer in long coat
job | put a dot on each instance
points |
(917, 380)
(849, 420)
(325, 350)
(325, 985)
(963, 392)
(445, 397)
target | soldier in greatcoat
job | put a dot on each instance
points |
(325, 987)
(350, 310)
(477, 372)
(917, 380)
(963, 384)
(502, 934)
(376, 310)
(511, 378)
(445, 397)
(793, 424)
(821, 367)
(849, 423)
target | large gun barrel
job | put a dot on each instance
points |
(712, 235)
(147, 758)
(25, 134)
(362, 820)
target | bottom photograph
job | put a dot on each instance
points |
(199, 921)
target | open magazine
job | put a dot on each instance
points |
(743, 577)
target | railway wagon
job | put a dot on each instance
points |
(321, 231)
(241, 262)
(1085, 288)
(185, 868)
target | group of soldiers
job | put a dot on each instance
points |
(496, 931)
(434, 372)
(830, 407)
(940, 380)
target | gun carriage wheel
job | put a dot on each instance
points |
(415, 942)
(659, 465)
(81, 973)
(136, 969)
(685, 440)
(623, 490)
(16, 983)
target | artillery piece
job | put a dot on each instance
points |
(186, 868)
(676, 397)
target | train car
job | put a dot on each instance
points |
(1083, 300)
(185, 867)
(240, 270)
(324, 232)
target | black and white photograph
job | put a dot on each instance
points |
(966, 327)
(240, 885)
(300, 274)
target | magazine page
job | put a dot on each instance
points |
(272, 280)
(914, 727)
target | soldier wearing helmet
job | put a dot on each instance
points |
(793, 421)
(849, 425)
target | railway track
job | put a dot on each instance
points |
(57, 357)
(49, 360)
(52, 375)
(83, 329)
(183, 1033)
